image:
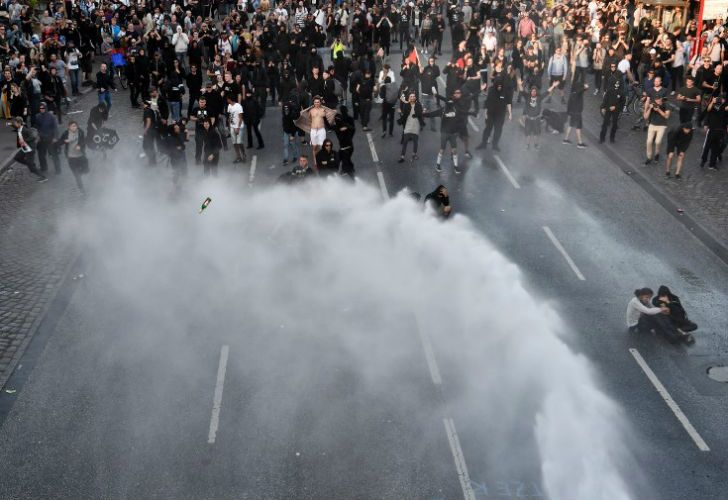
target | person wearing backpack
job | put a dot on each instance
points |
(389, 93)
(26, 141)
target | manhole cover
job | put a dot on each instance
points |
(718, 373)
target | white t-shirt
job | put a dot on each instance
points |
(235, 111)
(624, 66)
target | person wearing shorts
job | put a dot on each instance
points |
(235, 121)
(318, 136)
(678, 141)
(574, 108)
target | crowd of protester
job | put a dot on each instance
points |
(205, 73)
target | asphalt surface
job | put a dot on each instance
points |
(100, 417)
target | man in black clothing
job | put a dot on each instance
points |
(198, 115)
(574, 108)
(497, 104)
(194, 85)
(251, 117)
(439, 200)
(364, 92)
(150, 120)
(299, 173)
(438, 28)
(26, 139)
(327, 159)
(133, 80)
(678, 139)
(429, 85)
(54, 92)
(104, 85)
(345, 127)
(389, 93)
(612, 105)
(47, 127)
(714, 117)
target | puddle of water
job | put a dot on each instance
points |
(718, 373)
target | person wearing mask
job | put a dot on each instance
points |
(345, 127)
(678, 140)
(291, 145)
(327, 159)
(497, 105)
(47, 126)
(73, 141)
(574, 108)
(26, 140)
(251, 118)
(104, 85)
(212, 144)
(656, 114)
(612, 104)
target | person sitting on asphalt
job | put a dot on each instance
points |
(678, 316)
(643, 318)
(439, 200)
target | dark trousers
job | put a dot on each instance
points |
(250, 128)
(194, 96)
(610, 117)
(347, 166)
(686, 114)
(406, 139)
(661, 324)
(148, 147)
(355, 106)
(713, 146)
(134, 93)
(28, 159)
(199, 143)
(46, 147)
(494, 124)
(387, 117)
(209, 167)
(365, 110)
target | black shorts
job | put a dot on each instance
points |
(559, 79)
(677, 147)
(575, 120)
(451, 138)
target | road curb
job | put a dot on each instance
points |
(704, 235)
(63, 282)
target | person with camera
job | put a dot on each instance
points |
(656, 115)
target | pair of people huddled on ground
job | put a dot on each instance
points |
(663, 315)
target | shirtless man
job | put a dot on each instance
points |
(318, 127)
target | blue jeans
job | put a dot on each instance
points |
(105, 96)
(175, 107)
(291, 142)
(74, 80)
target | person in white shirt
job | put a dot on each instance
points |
(643, 317)
(235, 120)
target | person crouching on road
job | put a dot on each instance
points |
(643, 317)
(327, 159)
(439, 200)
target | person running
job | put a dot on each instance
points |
(574, 108)
(678, 140)
(27, 137)
(73, 141)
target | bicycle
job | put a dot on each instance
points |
(118, 63)
(635, 102)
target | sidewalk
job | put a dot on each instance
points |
(33, 261)
(701, 194)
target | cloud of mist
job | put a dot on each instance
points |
(290, 256)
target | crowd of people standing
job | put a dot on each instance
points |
(207, 71)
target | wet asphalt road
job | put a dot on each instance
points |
(73, 432)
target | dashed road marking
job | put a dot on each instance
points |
(373, 150)
(563, 252)
(473, 124)
(217, 399)
(697, 439)
(459, 458)
(253, 165)
(507, 172)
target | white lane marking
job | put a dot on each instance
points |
(702, 446)
(473, 124)
(457, 455)
(253, 165)
(442, 81)
(382, 185)
(217, 400)
(507, 172)
(429, 355)
(375, 157)
(74, 112)
(561, 249)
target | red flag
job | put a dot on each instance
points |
(413, 57)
